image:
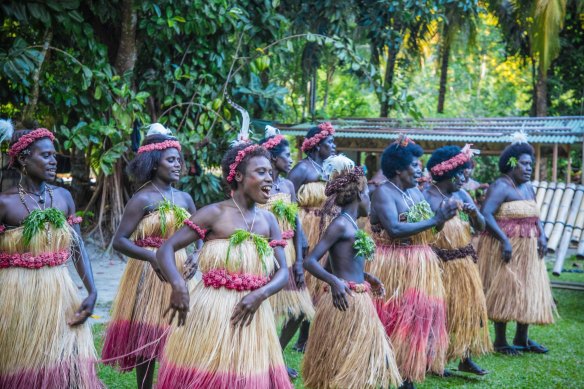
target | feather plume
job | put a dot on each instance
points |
(158, 129)
(6, 129)
(243, 135)
(519, 137)
(271, 131)
(336, 164)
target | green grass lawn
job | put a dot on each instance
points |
(562, 367)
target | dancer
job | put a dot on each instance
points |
(511, 252)
(229, 339)
(465, 300)
(153, 214)
(293, 303)
(348, 346)
(309, 181)
(44, 337)
(402, 224)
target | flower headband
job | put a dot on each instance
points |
(343, 179)
(458, 160)
(238, 158)
(326, 130)
(26, 140)
(273, 142)
(167, 144)
(403, 141)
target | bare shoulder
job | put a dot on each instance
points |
(288, 185)
(464, 196)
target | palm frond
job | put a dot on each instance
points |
(548, 21)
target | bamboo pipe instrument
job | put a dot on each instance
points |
(545, 205)
(579, 223)
(562, 252)
(554, 208)
(541, 189)
(562, 218)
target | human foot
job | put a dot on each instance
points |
(468, 366)
(506, 350)
(531, 347)
(407, 385)
(292, 373)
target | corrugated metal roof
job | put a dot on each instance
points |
(563, 130)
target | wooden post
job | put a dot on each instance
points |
(569, 167)
(537, 161)
(555, 163)
(299, 147)
(582, 165)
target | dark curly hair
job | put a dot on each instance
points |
(396, 157)
(277, 150)
(141, 169)
(514, 151)
(229, 158)
(443, 154)
(15, 137)
(350, 192)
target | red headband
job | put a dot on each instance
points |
(326, 130)
(167, 144)
(238, 158)
(26, 140)
(273, 142)
(450, 164)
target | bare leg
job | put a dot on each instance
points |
(501, 345)
(288, 331)
(467, 365)
(145, 372)
(302, 337)
(523, 343)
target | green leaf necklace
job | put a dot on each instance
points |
(41, 216)
(364, 244)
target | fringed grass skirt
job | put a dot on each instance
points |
(292, 302)
(414, 315)
(38, 349)
(137, 321)
(207, 352)
(348, 349)
(519, 290)
(467, 320)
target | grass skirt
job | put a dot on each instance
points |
(137, 320)
(207, 352)
(465, 299)
(414, 314)
(348, 349)
(519, 290)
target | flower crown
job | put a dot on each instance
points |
(458, 160)
(326, 130)
(238, 158)
(273, 142)
(26, 140)
(167, 144)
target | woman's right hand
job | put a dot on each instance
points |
(446, 211)
(506, 251)
(179, 304)
(339, 291)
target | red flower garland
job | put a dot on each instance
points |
(26, 140)
(326, 130)
(72, 219)
(149, 241)
(221, 278)
(275, 141)
(2, 228)
(29, 261)
(238, 158)
(167, 144)
(275, 243)
(289, 234)
(450, 164)
(200, 231)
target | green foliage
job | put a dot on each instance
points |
(419, 212)
(261, 244)
(285, 211)
(180, 215)
(512, 162)
(37, 219)
(365, 245)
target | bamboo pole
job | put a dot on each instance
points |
(579, 223)
(562, 252)
(569, 167)
(537, 161)
(541, 189)
(545, 205)
(554, 208)
(580, 251)
(555, 163)
(562, 218)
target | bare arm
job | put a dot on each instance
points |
(133, 214)
(83, 267)
(496, 196)
(297, 175)
(297, 267)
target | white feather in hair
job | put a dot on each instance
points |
(519, 137)
(271, 131)
(243, 135)
(336, 164)
(158, 129)
(6, 129)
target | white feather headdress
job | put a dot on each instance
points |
(519, 137)
(271, 131)
(337, 164)
(158, 129)
(6, 129)
(243, 135)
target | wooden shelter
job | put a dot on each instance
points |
(552, 137)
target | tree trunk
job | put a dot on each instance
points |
(443, 70)
(541, 94)
(388, 81)
(30, 108)
(127, 52)
(80, 183)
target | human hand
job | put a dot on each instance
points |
(298, 275)
(446, 211)
(507, 251)
(191, 266)
(179, 304)
(377, 288)
(470, 208)
(339, 291)
(246, 308)
(542, 246)
(84, 312)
